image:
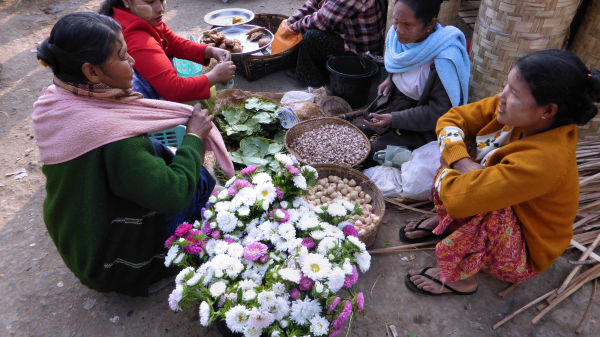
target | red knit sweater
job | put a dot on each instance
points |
(151, 47)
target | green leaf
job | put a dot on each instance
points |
(252, 103)
(263, 118)
(254, 147)
(233, 116)
(275, 148)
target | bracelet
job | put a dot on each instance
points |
(193, 134)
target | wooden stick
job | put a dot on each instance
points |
(584, 220)
(565, 294)
(577, 279)
(404, 248)
(520, 310)
(588, 206)
(585, 181)
(399, 204)
(584, 256)
(508, 290)
(583, 249)
(587, 311)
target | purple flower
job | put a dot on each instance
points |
(169, 241)
(195, 232)
(360, 301)
(292, 169)
(214, 192)
(279, 193)
(241, 183)
(349, 230)
(264, 258)
(254, 251)
(308, 243)
(334, 304)
(352, 278)
(228, 240)
(249, 170)
(280, 215)
(206, 228)
(344, 315)
(306, 283)
(295, 293)
(215, 234)
(335, 333)
(192, 249)
(183, 229)
(232, 191)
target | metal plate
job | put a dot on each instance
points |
(224, 17)
(239, 33)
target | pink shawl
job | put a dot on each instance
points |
(67, 126)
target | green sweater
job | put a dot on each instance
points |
(104, 211)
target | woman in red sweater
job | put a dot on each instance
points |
(152, 45)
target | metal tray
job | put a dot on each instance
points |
(224, 17)
(239, 32)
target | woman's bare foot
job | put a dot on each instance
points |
(468, 285)
(429, 224)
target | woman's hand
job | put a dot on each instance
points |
(379, 120)
(200, 122)
(385, 87)
(217, 54)
(223, 71)
(466, 165)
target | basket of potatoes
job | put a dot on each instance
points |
(338, 182)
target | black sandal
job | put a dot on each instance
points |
(404, 238)
(412, 287)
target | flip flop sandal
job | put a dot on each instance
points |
(412, 287)
(404, 238)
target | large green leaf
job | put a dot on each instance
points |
(275, 148)
(264, 118)
(254, 147)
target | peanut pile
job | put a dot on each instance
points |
(332, 188)
(331, 144)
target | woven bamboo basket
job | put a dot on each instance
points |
(507, 29)
(253, 66)
(591, 130)
(378, 202)
(448, 12)
(586, 43)
(295, 131)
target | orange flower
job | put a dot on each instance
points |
(481, 145)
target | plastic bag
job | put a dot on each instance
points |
(393, 156)
(297, 96)
(284, 39)
(387, 179)
(418, 173)
(287, 117)
(305, 110)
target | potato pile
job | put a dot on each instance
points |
(214, 38)
(332, 188)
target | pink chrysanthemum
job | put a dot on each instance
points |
(206, 228)
(264, 258)
(195, 232)
(349, 230)
(292, 169)
(352, 278)
(308, 242)
(255, 250)
(334, 304)
(306, 283)
(241, 183)
(344, 315)
(215, 234)
(192, 249)
(169, 241)
(183, 229)
(232, 191)
(228, 240)
(279, 193)
(280, 215)
(294, 293)
(249, 170)
(360, 301)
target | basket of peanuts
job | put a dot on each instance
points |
(338, 183)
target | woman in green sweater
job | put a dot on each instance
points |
(113, 195)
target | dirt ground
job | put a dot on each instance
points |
(40, 296)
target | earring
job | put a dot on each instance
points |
(543, 117)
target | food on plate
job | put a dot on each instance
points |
(263, 41)
(255, 34)
(236, 19)
(214, 38)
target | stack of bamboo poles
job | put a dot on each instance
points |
(586, 237)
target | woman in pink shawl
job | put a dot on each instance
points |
(113, 194)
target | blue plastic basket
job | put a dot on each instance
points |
(187, 68)
(171, 137)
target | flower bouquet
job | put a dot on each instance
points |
(267, 263)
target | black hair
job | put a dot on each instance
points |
(107, 6)
(560, 77)
(425, 10)
(75, 39)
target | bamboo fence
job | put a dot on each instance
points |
(586, 43)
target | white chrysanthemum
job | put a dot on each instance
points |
(293, 245)
(355, 241)
(300, 182)
(212, 199)
(220, 262)
(210, 247)
(204, 313)
(176, 296)
(217, 289)
(252, 332)
(213, 224)
(288, 274)
(244, 211)
(280, 244)
(303, 310)
(194, 279)
(234, 268)
(227, 221)
(247, 284)
(308, 221)
(221, 247)
(283, 159)
(287, 231)
(284, 204)
(363, 259)
(260, 318)
(171, 254)
(284, 323)
(276, 240)
(336, 209)
(248, 295)
(319, 326)
(266, 192)
(246, 196)
(206, 271)
(319, 287)
(223, 194)
(347, 266)
(318, 234)
(230, 181)
(179, 258)
(316, 266)
(327, 244)
(237, 318)
(235, 250)
(282, 308)
(208, 214)
(266, 299)
(335, 279)
(183, 273)
(196, 224)
(261, 178)
(278, 288)
(334, 232)
(294, 215)
(223, 206)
